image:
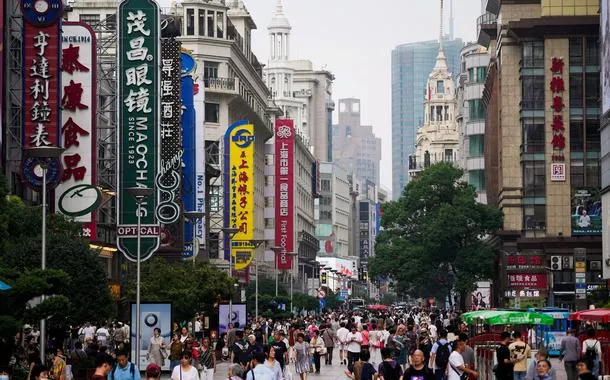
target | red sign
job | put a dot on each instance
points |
(41, 85)
(558, 140)
(527, 281)
(523, 261)
(284, 192)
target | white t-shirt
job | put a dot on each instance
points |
(354, 345)
(342, 334)
(197, 326)
(455, 360)
(191, 374)
(102, 334)
(433, 331)
(88, 332)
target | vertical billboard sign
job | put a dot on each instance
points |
(239, 192)
(365, 240)
(169, 178)
(284, 192)
(558, 140)
(138, 119)
(188, 67)
(41, 82)
(199, 104)
(77, 195)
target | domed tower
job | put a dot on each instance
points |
(279, 34)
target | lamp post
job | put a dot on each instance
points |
(275, 249)
(293, 255)
(194, 217)
(256, 244)
(230, 233)
(140, 194)
(44, 153)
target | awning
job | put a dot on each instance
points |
(4, 286)
(595, 315)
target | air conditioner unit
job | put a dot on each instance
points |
(568, 262)
(595, 265)
(556, 263)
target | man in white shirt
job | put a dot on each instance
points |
(89, 331)
(456, 366)
(342, 336)
(354, 341)
(102, 336)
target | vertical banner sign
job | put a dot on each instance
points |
(558, 141)
(138, 118)
(365, 239)
(580, 269)
(199, 103)
(188, 67)
(169, 178)
(284, 192)
(77, 196)
(239, 192)
(41, 82)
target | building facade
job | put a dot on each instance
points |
(437, 139)
(471, 116)
(542, 125)
(355, 146)
(605, 129)
(411, 65)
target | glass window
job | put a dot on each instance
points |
(190, 22)
(211, 24)
(593, 173)
(440, 87)
(325, 185)
(533, 54)
(592, 135)
(592, 89)
(111, 21)
(534, 180)
(533, 135)
(476, 110)
(201, 22)
(212, 149)
(533, 93)
(577, 132)
(210, 70)
(448, 155)
(212, 112)
(220, 24)
(476, 145)
(90, 19)
(592, 52)
(534, 217)
(477, 179)
(481, 74)
(471, 76)
(576, 90)
(576, 51)
(577, 174)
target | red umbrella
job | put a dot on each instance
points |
(595, 315)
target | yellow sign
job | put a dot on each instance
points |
(239, 141)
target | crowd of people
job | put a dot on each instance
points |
(389, 345)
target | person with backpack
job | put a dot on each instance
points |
(123, 369)
(439, 356)
(592, 351)
(389, 369)
(520, 352)
(363, 370)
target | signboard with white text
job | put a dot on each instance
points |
(284, 192)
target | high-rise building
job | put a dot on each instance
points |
(411, 65)
(471, 116)
(355, 146)
(543, 126)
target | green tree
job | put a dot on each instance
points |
(433, 236)
(267, 301)
(189, 288)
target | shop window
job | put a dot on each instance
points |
(534, 217)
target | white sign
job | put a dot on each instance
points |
(558, 172)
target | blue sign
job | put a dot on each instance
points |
(322, 303)
(243, 138)
(189, 174)
(187, 64)
(41, 12)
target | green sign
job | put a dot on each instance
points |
(138, 25)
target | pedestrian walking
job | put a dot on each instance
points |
(389, 369)
(317, 349)
(185, 371)
(124, 369)
(520, 352)
(363, 370)
(156, 348)
(542, 354)
(569, 354)
(175, 350)
(418, 370)
(353, 340)
(592, 351)
(439, 356)
(103, 365)
(457, 367)
(207, 360)
(504, 368)
(302, 363)
(153, 372)
(329, 338)
(342, 337)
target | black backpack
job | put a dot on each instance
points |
(591, 354)
(442, 355)
(389, 372)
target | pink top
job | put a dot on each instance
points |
(365, 337)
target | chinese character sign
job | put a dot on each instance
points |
(284, 192)
(239, 191)
(138, 122)
(558, 139)
(77, 195)
(527, 280)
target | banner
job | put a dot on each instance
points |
(200, 158)
(189, 159)
(152, 316)
(169, 179)
(41, 88)
(239, 192)
(138, 125)
(77, 195)
(284, 192)
(238, 315)
(586, 212)
(527, 280)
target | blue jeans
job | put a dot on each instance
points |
(519, 375)
(173, 363)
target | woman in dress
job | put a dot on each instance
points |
(302, 364)
(155, 348)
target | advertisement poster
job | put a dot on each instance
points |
(481, 296)
(605, 42)
(238, 314)
(586, 212)
(152, 315)
(284, 192)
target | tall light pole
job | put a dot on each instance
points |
(275, 249)
(44, 154)
(293, 255)
(256, 244)
(194, 217)
(230, 233)
(140, 194)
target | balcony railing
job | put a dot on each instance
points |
(219, 83)
(486, 28)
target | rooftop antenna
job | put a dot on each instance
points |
(440, 41)
(451, 20)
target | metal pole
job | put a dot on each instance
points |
(231, 276)
(43, 266)
(256, 287)
(194, 239)
(139, 203)
(291, 291)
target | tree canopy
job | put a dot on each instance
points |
(432, 237)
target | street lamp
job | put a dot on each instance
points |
(194, 217)
(275, 249)
(230, 232)
(140, 194)
(256, 244)
(44, 153)
(293, 255)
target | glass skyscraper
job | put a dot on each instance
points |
(411, 65)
